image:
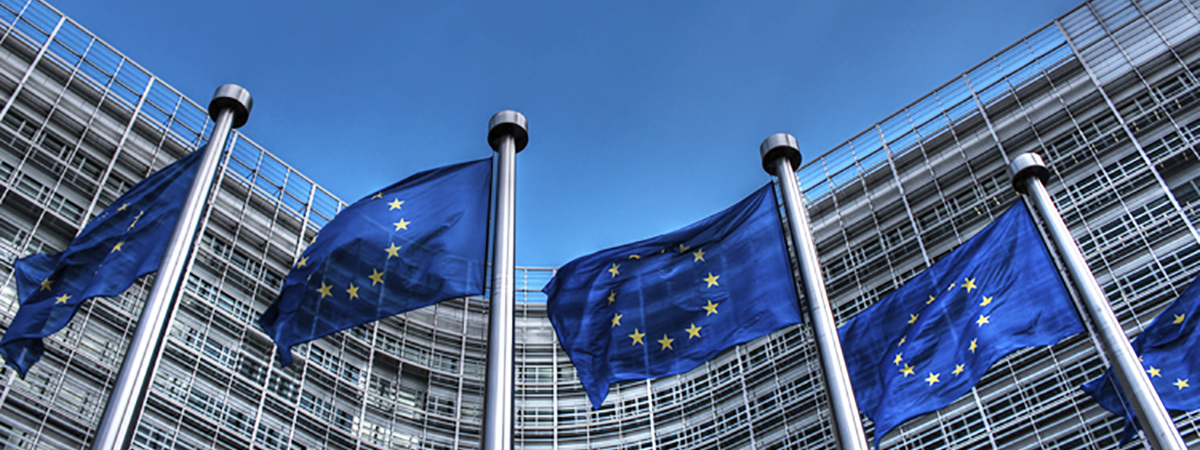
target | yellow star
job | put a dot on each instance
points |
(970, 284)
(912, 318)
(986, 301)
(395, 204)
(951, 286)
(376, 276)
(117, 248)
(135, 220)
(613, 270)
(325, 290)
(694, 331)
(612, 296)
(698, 255)
(122, 208)
(907, 370)
(711, 308)
(931, 299)
(1180, 383)
(616, 320)
(973, 345)
(314, 239)
(637, 337)
(46, 284)
(377, 195)
(902, 340)
(958, 368)
(683, 248)
(401, 225)
(353, 291)
(1154, 372)
(982, 320)
(666, 343)
(1179, 319)
(899, 357)
(635, 256)
(712, 280)
(394, 250)
(61, 299)
(933, 378)
(303, 262)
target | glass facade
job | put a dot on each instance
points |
(1107, 94)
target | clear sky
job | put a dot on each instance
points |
(644, 116)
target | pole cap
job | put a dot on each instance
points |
(779, 145)
(508, 123)
(1027, 165)
(233, 97)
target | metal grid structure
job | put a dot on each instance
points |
(1107, 93)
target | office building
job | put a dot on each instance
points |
(1106, 93)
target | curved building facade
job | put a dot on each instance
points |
(1108, 94)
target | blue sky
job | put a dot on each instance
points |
(644, 115)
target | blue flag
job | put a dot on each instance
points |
(413, 244)
(1170, 353)
(127, 240)
(929, 342)
(665, 305)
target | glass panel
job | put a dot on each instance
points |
(895, 126)
(40, 16)
(867, 143)
(163, 97)
(903, 144)
(924, 109)
(101, 63)
(838, 159)
(811, 174)
(962, 111)
(1014, 58)
(1056, 58)
(933, 127)
(1045, 40)
(985, 75)
(325, 206)
(954, 93)
(814, 193)
(11, 7)
(871, 160)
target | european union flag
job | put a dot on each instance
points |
(929, 342)
(413, 244)
(665, 305)
(127, 240)
(1170, 353)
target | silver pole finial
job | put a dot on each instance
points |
(234, 98)
(1027, 165)
(779, 145)
(508, 123)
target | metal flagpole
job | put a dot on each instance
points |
(507, 134)
(1028, 174)
(229, 108)
(781, 157)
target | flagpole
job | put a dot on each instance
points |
(229, 108)
(1028, 174)
(508, 134)
(781, 157)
